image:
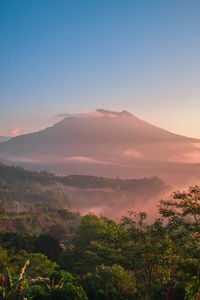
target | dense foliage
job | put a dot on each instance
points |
(93, 257)
(129, 260)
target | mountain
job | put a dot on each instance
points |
(106, 143)
(4, 138)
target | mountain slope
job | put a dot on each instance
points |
(4, 138)
(106, 143)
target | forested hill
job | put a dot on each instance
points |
(23, 191)
(18, 175)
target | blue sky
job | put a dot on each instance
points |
(69, 56)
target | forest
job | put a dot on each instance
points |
(29, 200)
(48, 251)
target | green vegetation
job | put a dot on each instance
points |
(68, 256)
(23, 191)
(40, 202)
(10, 176)
(129, 260)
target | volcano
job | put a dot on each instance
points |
(106, 143)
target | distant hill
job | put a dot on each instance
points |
(43, 190)
(109, 144)
(17, 176)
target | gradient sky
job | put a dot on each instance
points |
(69, 56)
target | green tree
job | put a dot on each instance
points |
(49, 246)
(183, 208)
(58, 287)
(110, 283)
(39, 265)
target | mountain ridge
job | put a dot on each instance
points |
(105, 143)
(104, 113)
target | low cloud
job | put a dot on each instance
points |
(99, 113)
(186, 146)
(93, 114)
(186, 157)
(196, 145)
(85, 159)
(132, 153)
(58, 159)
(20, 159)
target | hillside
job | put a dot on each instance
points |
(108, 144)
(24, 190)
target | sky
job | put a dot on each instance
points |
(70, 56)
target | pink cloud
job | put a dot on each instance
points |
(111, 115)
(187, 157)
(196, 145)
(133, 153)
(13, 132)
(86, 113)
(85, 159)
(181, 146)
(96, 114)
(47, 159)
